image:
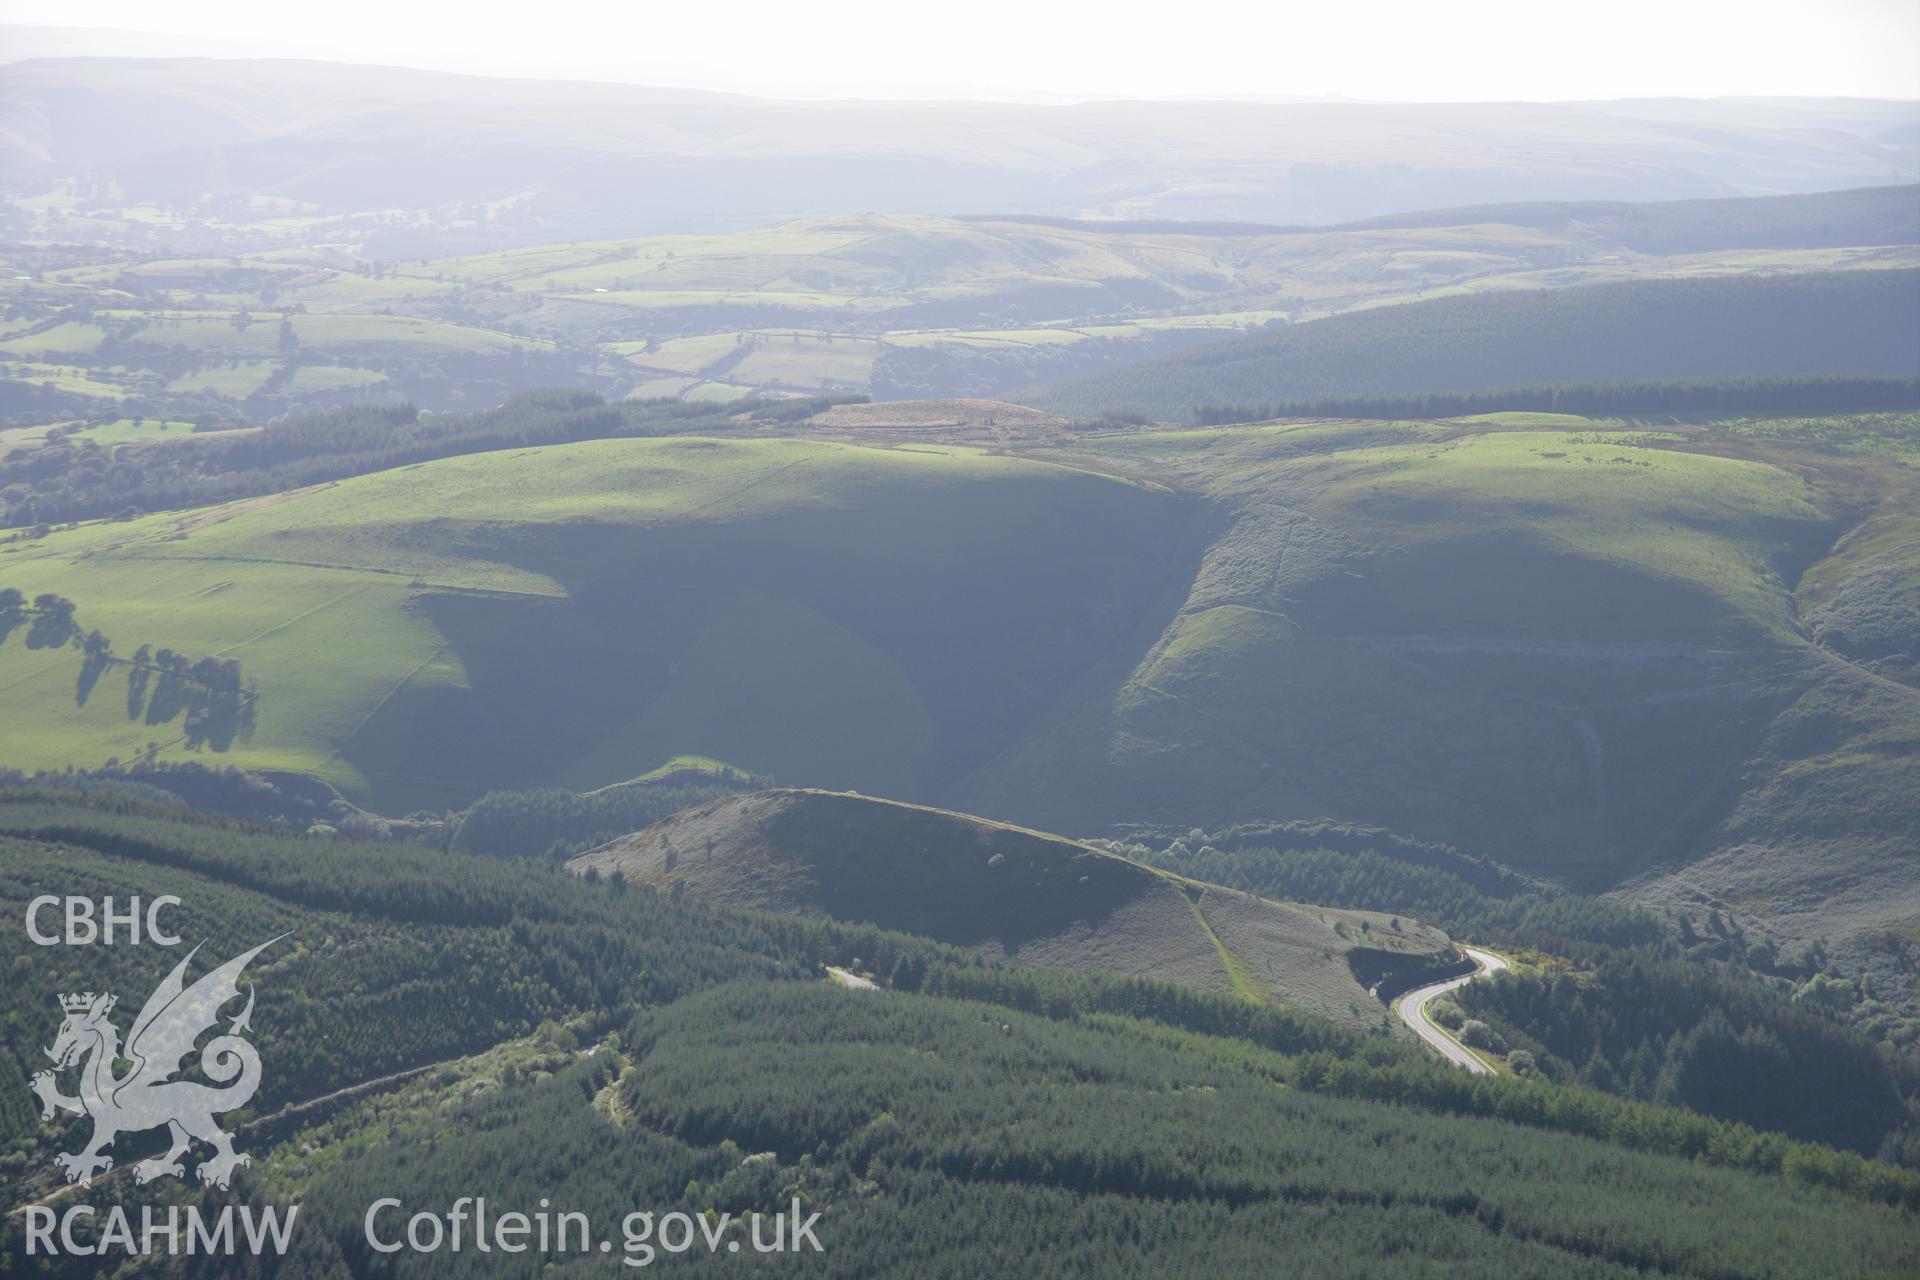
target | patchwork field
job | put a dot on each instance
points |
(902, 306)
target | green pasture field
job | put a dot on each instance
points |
(72, 336)
(661, 388)
(119, 431)
(717, 392)
(239, 380)
(345, 333)
(807, 360)
(664, 299)
(679, 355)
(332, 377)
(598, 264)
(106, 384)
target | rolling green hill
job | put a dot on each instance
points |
(1809, 324)
(1670, 662)
(1580, 651)
(1018, 895)
(580, 614)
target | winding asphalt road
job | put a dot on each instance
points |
(1412, 1008)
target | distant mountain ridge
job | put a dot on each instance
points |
(590, 160)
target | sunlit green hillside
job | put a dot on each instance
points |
(581, 614)
(1595, 650)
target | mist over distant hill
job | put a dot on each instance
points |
(237, 138)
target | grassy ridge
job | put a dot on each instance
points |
(1811, 324)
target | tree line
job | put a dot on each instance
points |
(1767, 396)
(218, 703)
(83, 480)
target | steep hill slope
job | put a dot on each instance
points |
(1580, 651)
(1838, 322)
(1016, 894)
(580, 614)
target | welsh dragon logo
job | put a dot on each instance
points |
(147, 1096)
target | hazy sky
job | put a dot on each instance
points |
(1427, 50)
